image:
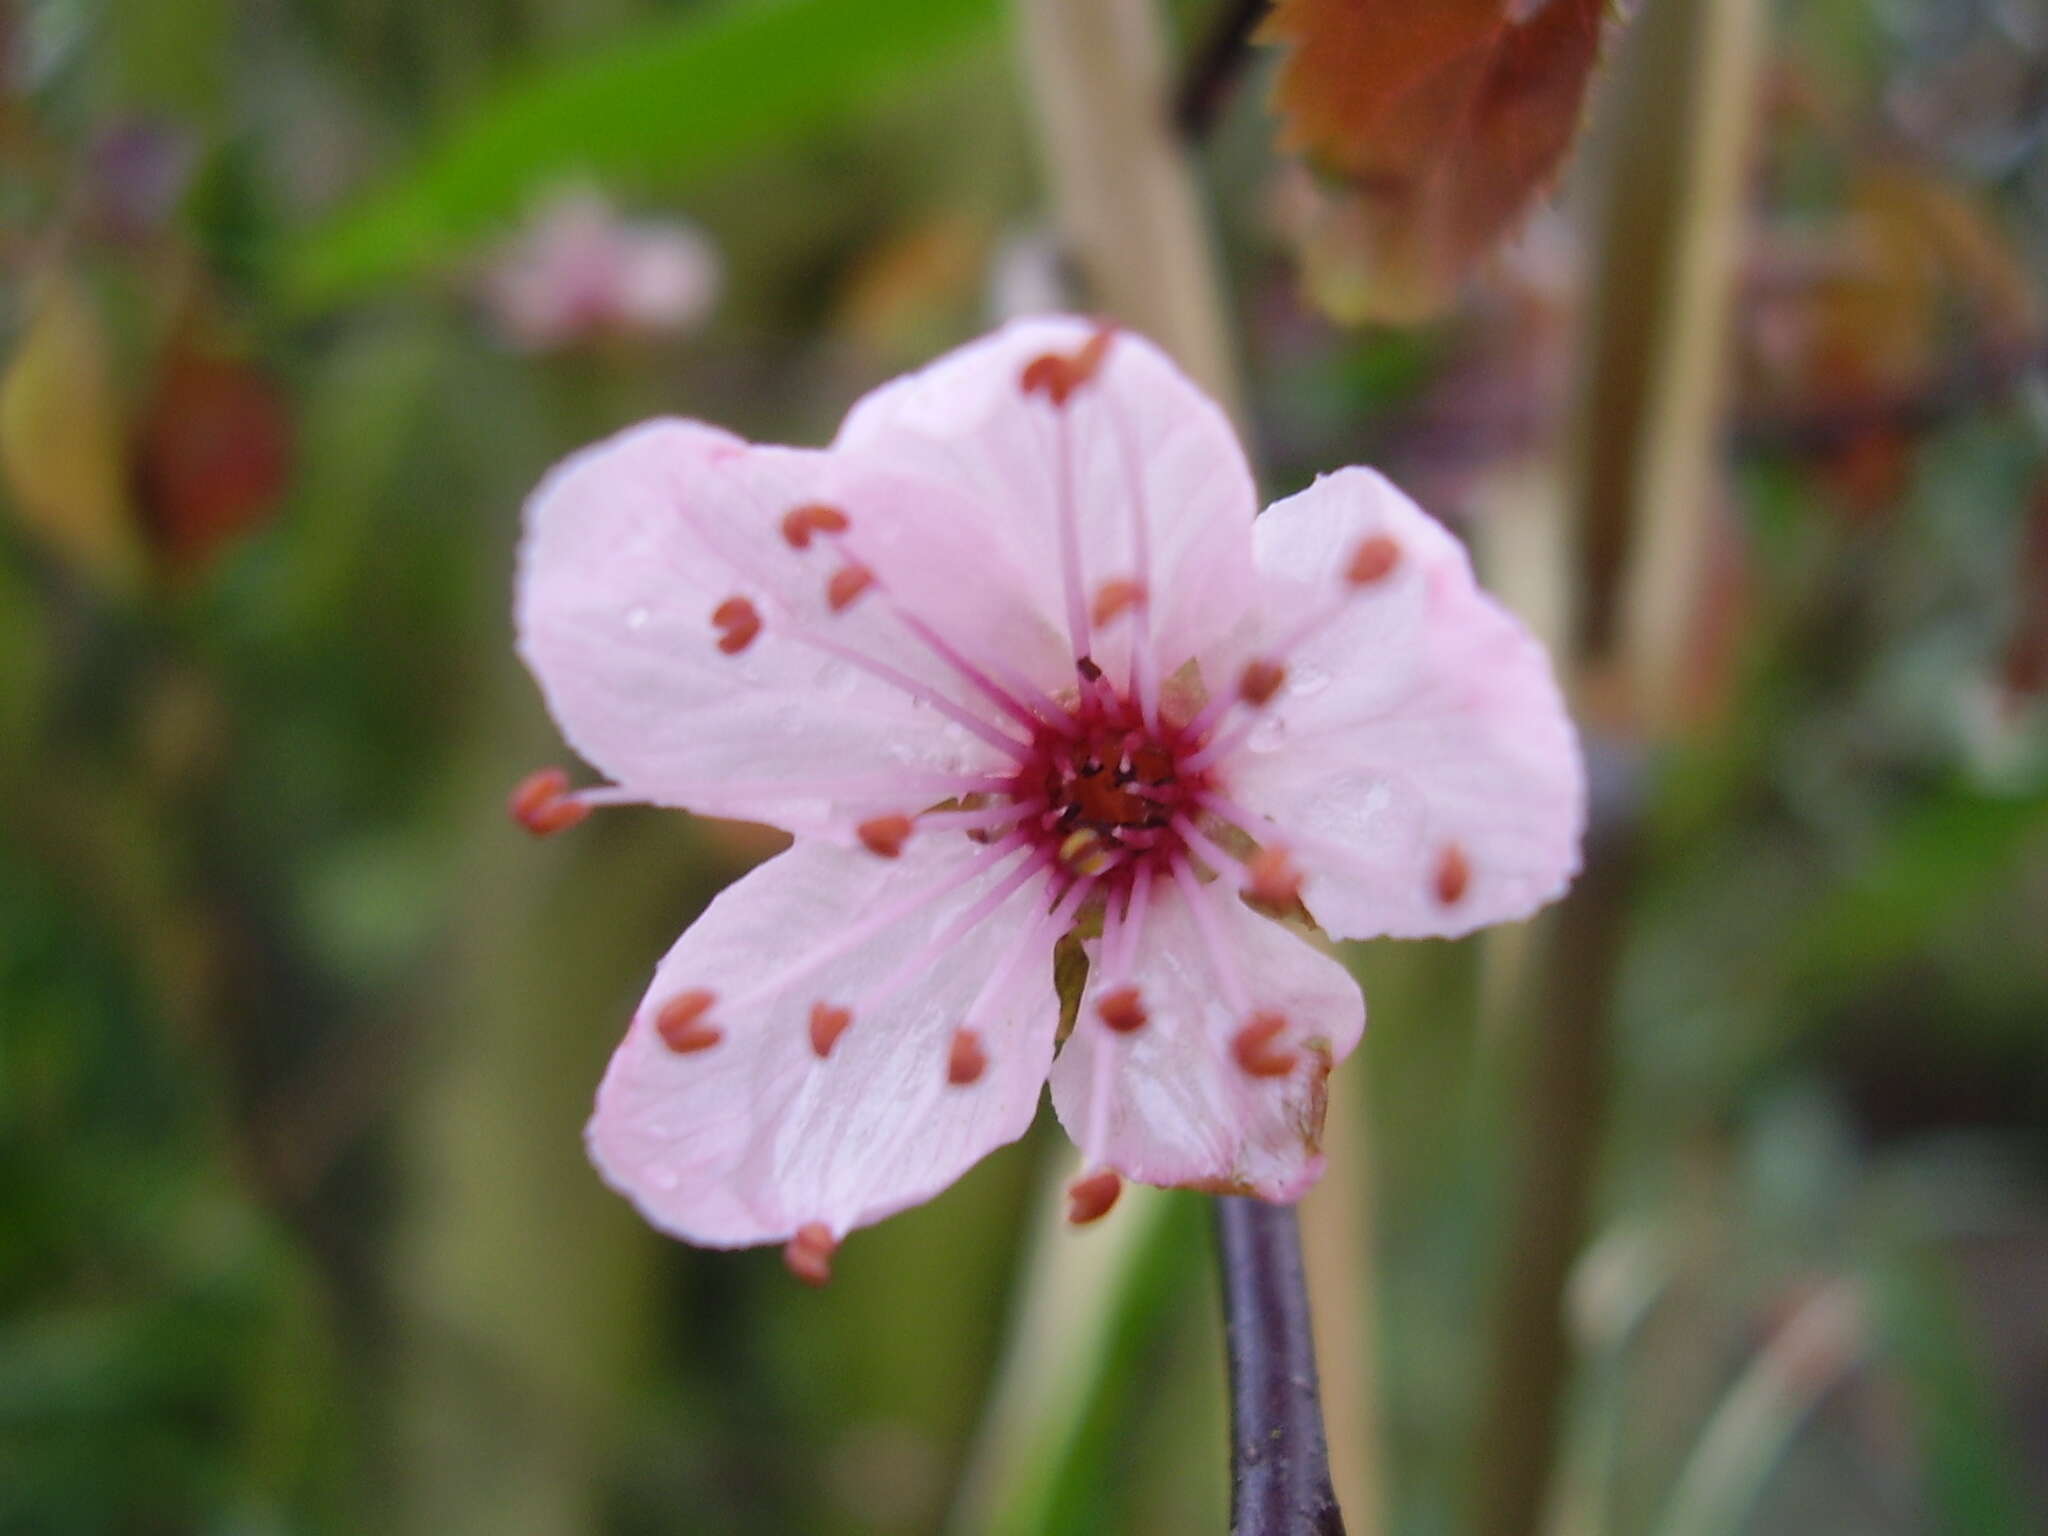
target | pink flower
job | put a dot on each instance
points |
(1013, 661)
(579, 272)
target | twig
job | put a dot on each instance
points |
(1280, 1467)
(1218, 63)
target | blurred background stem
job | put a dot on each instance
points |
(1649, 425)
(1121, 188)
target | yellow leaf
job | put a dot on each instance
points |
(63, 447)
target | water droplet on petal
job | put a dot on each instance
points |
(1306, 680)
(1268, 736)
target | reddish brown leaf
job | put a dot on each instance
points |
(1441, 121)
(2024, 667)
(213, 454)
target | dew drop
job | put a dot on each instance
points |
(1306, 680)
(1268, 736)
(637, 617)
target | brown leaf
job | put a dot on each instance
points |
(1441, 120)
(1866, 311)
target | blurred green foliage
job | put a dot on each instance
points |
(296, 1035)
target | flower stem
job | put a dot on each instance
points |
(1279, 1465)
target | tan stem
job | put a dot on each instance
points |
(1651, 408)
(1120, 184)
(1649, 424)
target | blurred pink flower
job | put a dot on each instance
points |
(579, 272)
(1013, 660)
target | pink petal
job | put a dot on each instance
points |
(1144, 440)
(1175, 1107)
(631, 549)
(1420, 761)
(748, 1140)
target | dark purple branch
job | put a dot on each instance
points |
(1217, 65)
(1279, 1466)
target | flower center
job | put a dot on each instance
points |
(1106, 792)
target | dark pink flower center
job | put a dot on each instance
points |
(1106, 793)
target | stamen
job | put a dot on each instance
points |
(855, 935)
(1215, 855)
(737, 622)
(680, 1022)
(1144, 659)
(1090, 1197)
(809, 1253)
(846, 585)
(842, 589)
(1082, 852)
(1031, 938)
(937, 785)
(982, 817)
(1116, 597)
(1453, 875)
(1272, 878)
(542, 804)
(827, 1025)
(1374, 560)
(1222, 960)
(1255, 1048)
(1014, 694)
(1122, 1009)
(1057, 375)
(812, 518)
(884, 835)
(1070, 540)
(965, 1058)
(1259, 681)
(1132, 929)
(918, 963)
(965, 718)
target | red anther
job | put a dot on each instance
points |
(1259, 681)
(1058, 374)
(1116, 597)
(541, 803)
(965, 1059)
(1122, 1009)
(884, 835)
(847, 583)
(813, 517)
(827, 1025)
(809, 1253)
(1090, 1197)
(1255, 1050)
(680, 1023)
(1373, 560)
(1271, 877)
(737, 622)
(1453, 875)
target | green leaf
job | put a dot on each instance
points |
(1934, 860)
(664, 102)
